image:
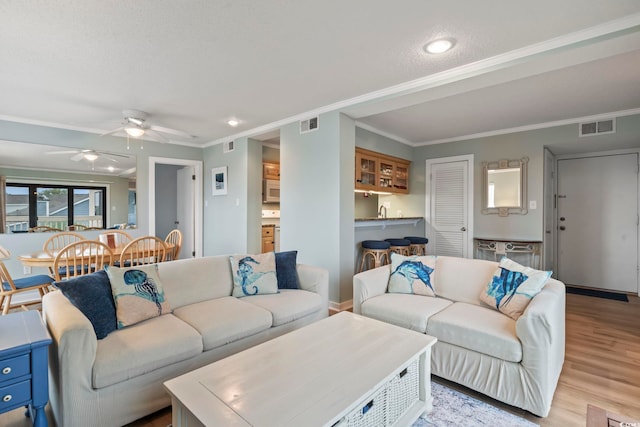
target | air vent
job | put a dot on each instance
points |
(227, 147)
(308, 125)
(598, 128)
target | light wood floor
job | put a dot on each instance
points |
(602, 367)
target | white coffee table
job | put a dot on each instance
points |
(346, 370)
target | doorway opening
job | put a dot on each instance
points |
(193, 232)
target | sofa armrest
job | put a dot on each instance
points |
(73, 350)
(315, 279)
(368, 284)
(541, 329)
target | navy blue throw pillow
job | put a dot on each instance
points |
(91, 294)
(286, 270)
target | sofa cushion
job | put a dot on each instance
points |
(412, 275)
(512, 287)
(224, 320)
(404, 310)
(91, 294)
(479, 329)
(462, 279)
(254, 274)
(138, 293)
(288, 305)
(142, 348)
(199, 279)
(286, 272)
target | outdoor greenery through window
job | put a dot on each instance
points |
(54, 206)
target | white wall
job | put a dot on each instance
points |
(316, 198)
(232, 222)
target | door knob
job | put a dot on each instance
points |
(562, 227)
(463, 229)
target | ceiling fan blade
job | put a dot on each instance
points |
(171, 131)
(111, 132)
(62, 152)
(156, 135)
(108, 157)
(79, 156)
(113, 154)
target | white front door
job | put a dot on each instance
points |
(185, 210)
(597, 221)
(449, 206)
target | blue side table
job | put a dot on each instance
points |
(24, 343)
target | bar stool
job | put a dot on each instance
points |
(399, 246)
(418, 245)
(377, 250)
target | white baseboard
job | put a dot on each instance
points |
(341, 306)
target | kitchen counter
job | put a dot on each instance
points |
(385, 222)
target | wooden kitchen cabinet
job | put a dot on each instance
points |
(379, 172)
(271, 171)
(268, 238)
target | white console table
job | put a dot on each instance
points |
(525, 252)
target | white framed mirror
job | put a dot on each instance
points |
(504, 187)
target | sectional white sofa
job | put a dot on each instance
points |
(118, 379)
(515, 361)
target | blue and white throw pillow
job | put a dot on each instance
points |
(254, 274)
(412, 275)
(137, 293)
(512, 287)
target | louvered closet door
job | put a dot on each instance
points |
(449, 207)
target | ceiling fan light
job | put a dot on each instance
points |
(91, 157)
(134, 131)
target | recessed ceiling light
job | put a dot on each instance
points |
(439, 46)
(233, 123)
(111, 168)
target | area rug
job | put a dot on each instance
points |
(452, 408)
(598, 294)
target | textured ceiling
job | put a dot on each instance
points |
(194, 65)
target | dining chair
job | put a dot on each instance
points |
(120, 238)
(80, 258)
(143, 250)
(175, 238)
(9, 287)
(59, 240)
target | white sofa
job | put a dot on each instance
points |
(118, 379)
(516, 362)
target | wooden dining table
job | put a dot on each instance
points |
(44, 259)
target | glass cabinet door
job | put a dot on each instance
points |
(386, 175)
(365, 172)
(401, 183)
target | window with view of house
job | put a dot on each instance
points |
(55, 206)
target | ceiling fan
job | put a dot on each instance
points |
(135, 124)
(90, 155)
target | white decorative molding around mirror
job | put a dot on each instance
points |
(504, 187)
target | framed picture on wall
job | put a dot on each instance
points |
(219, 181)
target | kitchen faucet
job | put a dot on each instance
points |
(382, 212)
